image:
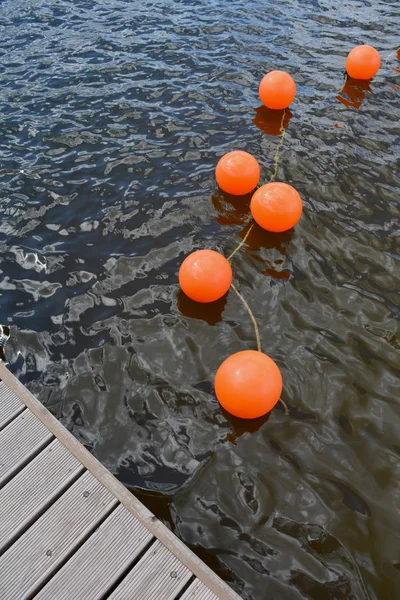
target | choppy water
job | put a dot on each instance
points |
(114, 114)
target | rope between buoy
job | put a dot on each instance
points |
(242, 242)
(247, 307)
(285, 407)
(279, 146)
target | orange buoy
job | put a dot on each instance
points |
(248, 384)
(237, 173)
(277, 90)
(276, 206)
(363, 62)
(205, 275)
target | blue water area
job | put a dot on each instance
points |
(113, 117)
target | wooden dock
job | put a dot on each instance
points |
(69, 530)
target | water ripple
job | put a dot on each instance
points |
(114, 115)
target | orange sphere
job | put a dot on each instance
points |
(205, 275)
(237, 173)
(277, 90)
(248, 384)
(363, 62)
(276, 206)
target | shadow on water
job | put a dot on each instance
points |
(259, 239)
(241, 426)
(210, 312)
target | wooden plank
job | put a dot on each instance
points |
(34, 488)
(29, 562)
(10, 405)
(158, 574)
(99, 563)
(198, 591)
(158, 529)
(20, 441)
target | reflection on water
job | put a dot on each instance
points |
(270, 121)
(353, 92)
(114, 115)
(232, 210)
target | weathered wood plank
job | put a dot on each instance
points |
(39, 551)
(20, 441)
(158, 529)
(158, 574)
(98, 564)
(34, 488)
(198, 591)
(10, 405)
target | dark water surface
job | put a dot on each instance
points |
(113, 116)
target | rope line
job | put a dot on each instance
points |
(242, 242)
(279, 146)
(247, 307)
(285, 406)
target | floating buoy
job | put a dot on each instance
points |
(205, 276)
(237, 173)
(277, 90)
(248, 384)
(276, 206)
(363, 62)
